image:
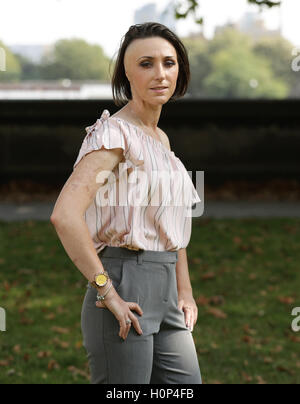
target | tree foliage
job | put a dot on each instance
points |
(13, 69)
(75, 59)
(233, 65)
(192, 5)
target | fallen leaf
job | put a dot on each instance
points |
(50, 316)
(11, 372)
(6, 285)
(26, 357)
(237, 240)
(202, 300)
(294, 338)
(43, 354)
(52, 364)
(249, 330)
(60, 330)
(216, 312)
(249, 340)
(26, 320)
(62, 344)
(286, 299)
(75, 371)
(216, 300)
(281, 368)
(246, 377)
(78, 344)
(260, 380)
(208, 275)
(17, 348)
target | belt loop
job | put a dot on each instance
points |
(139, 257)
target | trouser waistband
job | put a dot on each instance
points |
(140, 255)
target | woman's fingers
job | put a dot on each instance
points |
(125, 327)
(136, 307)
(100, 304)
(122, 332)
(189, 317)
(136, 324)
(122, 311)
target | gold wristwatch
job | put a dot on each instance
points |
(101, 279)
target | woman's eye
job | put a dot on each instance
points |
(149, 64)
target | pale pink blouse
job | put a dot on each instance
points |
(146, 202)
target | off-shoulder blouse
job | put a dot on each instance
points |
(146, 202)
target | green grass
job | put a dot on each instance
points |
(245, 277)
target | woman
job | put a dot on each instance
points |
(138, 311)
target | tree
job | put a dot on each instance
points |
(200, 63)
(29, 69)
(239, 73)
(194, 4)
(12, 65)
(75, 59)
(227, 66)
(278, 51)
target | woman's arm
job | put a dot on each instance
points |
(68, 220)
(186, 301)
(182, 273)
(75, 197)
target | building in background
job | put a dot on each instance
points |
(32, 52)
(149, 13)
(145, 14)
(55, 90)
(251, 24)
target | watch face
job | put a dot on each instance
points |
(101, 279)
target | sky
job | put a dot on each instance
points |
(105, 22)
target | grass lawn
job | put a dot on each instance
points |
(246, 281)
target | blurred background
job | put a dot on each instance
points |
(239, 123)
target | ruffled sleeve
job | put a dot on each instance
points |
(187, 189)
(195, 196)
(191, 193)
(109, 134)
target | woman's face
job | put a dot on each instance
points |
(149, 63)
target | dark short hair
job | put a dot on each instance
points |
(120, 85)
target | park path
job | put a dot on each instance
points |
(217, 209)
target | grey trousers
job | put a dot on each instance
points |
(165, 353)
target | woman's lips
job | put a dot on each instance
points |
(159, 90)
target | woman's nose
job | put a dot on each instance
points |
(160, 71)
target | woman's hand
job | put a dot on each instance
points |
(187, 303)
(122, 312)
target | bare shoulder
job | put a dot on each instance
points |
(164, 139)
